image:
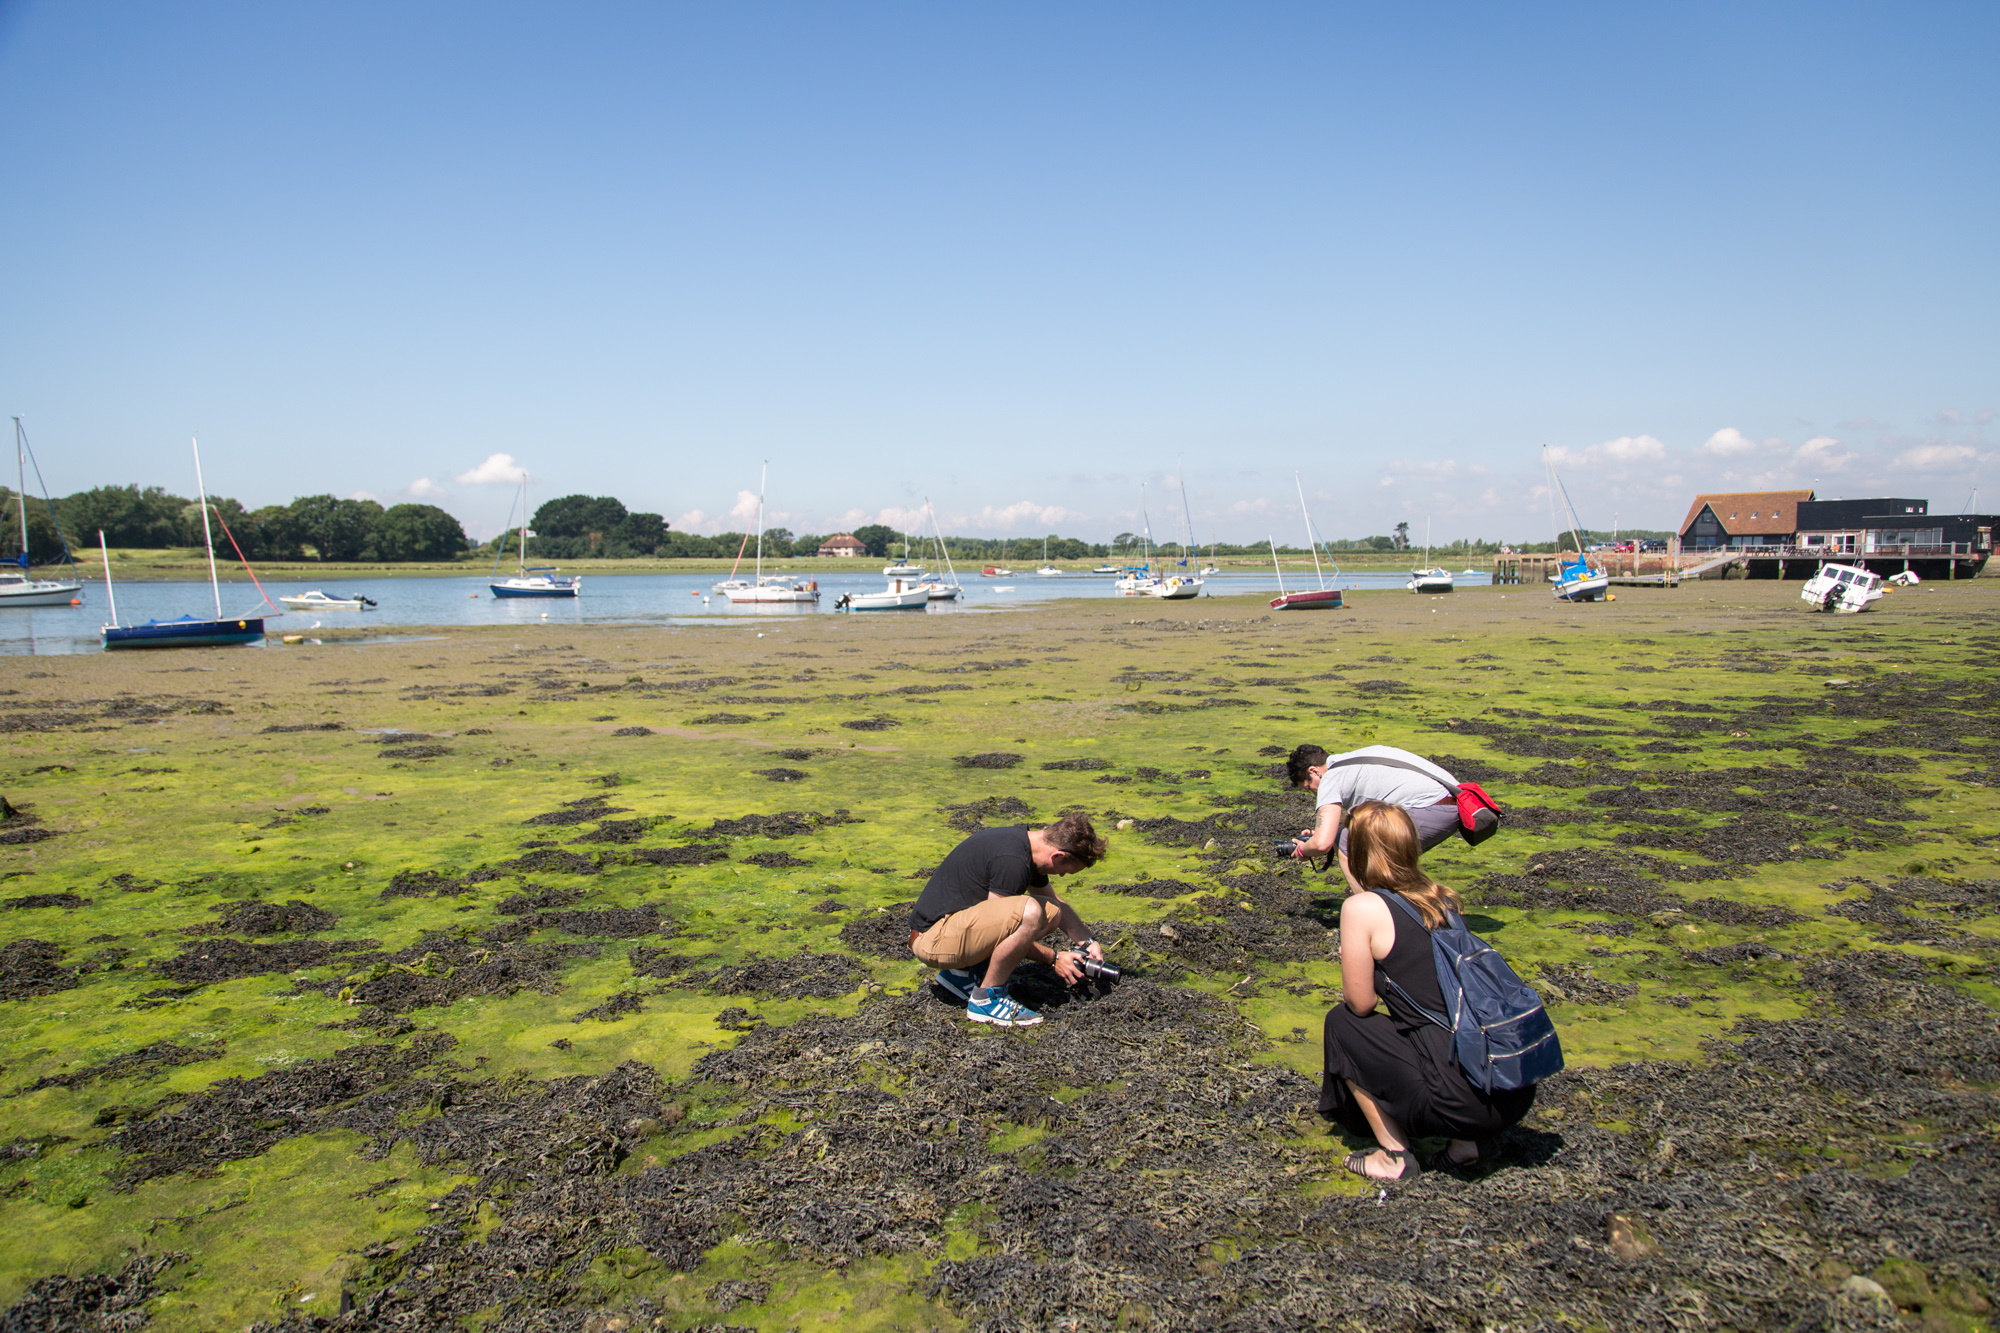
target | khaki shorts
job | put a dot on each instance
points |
(972, 934)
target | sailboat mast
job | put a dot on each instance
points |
(21, 491)
(1146, 525)
(1303, 513)
(1187, 516)
(524, 521)
(207, 539)
(762, 476)
(1280, 569)
(109, 596)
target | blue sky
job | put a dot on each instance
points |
(1019, 259)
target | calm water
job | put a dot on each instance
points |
(608, 599)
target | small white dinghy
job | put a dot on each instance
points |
(1842, 589)
(900, 595)
(319, 601)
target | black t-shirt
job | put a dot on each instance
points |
(993, 860)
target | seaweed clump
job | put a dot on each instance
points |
(33, 967)
(293, 917)
(997, 759)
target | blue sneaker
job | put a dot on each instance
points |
(1000, 1009)
(959, 981)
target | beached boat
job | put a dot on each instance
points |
(940, 587)
(530, 580)
(319, 601)
(1577, 580)
(1180, 584)
(183, 631)
(1842, 589)
(1428, 577)
(21, 589)
(1321, 598)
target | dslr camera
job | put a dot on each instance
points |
(1095, 970)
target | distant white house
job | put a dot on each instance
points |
(843, 544)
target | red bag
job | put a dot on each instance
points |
(1478, 813)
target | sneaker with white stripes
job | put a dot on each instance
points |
(1000, 1009)
(959, 981)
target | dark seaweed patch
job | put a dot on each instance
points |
(1151, 888)
(133, 1064)
(589, 810)
(698, 855)
(299, 726)
(541, 900)
(1076, 765)
(33, 967)
(633, 731)
(871, 724)
(720, 719)
(623, 1003)
(89, 1302)
(226, 959)
(782, 774)
(617, 830)
(423, 884)
(786, 824)
(34, 900)
(552, 860)
(975, 815)
(818, 976)
(260, 918)
(993, 760)
(443, 969)
(413, 752)
(774, 860)
(883, 934)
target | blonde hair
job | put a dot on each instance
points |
(1382, 852)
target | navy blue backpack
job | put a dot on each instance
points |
(1500, 1032)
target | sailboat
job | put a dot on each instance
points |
(1139, 580)
(1321, 598)
(903, 569)
(183, 631)
(944, 587)
(772, 589)
(1576, 580)
(1429, 577)
(530, 580)
(1183, 585)
(1000, 570)
(19, 589)
(1047, 571)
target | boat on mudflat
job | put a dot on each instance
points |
(1321, 598)
(183, 631)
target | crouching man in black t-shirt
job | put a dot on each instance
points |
(989, 904)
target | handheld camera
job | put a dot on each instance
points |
(1095, 970)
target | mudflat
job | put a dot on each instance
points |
(558, 979)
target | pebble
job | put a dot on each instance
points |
(1867, 1289)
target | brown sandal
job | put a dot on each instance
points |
(1357, 1164)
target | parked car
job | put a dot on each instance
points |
(1659, 548)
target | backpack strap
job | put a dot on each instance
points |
(1431, 771)
(1409, 999)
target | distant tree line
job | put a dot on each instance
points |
(318, 527)
(571, 527)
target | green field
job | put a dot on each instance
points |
(491, 1005)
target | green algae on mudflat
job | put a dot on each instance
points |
(196, 803)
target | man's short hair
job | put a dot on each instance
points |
(1301, 759)
(1073, 834)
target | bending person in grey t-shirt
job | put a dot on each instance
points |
(1372, 773)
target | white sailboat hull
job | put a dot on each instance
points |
(38, 592)
(1177, 589)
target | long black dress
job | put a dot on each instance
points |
(1405, 1061)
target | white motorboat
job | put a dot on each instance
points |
(319, 601)
(21, 589)
(1107, 569)
(1842, 589)
(1177, 588)
(1433, 579)
(900, 595)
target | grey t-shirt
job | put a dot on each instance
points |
(1347, 784)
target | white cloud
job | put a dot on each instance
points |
(1037, 517)
(1984, 415)
(1244, 508)
(423, 488)
(1632, 449)
(1823, 451)
(364, 495)
(1728, 442)
(1386, 482)
(744, 511)
(1937, 457)
(1951, 416)
(497, 470)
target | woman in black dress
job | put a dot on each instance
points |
(1395, 1075)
